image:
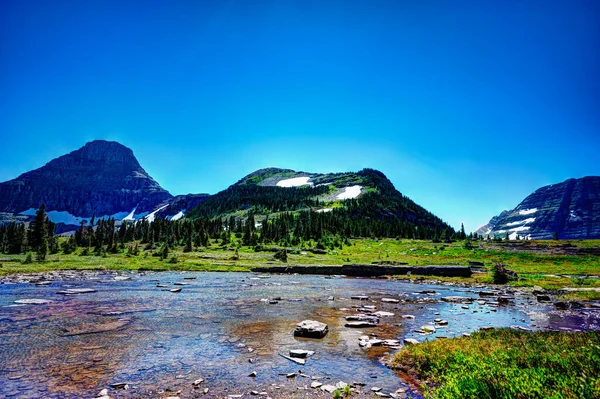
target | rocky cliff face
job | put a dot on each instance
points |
(568, 210)
(102, 177)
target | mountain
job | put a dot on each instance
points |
(567, 210)
(102, 178)
(365, 201)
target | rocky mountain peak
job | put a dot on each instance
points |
(568, 210)
(102, 177)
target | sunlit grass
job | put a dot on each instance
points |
(505, 363)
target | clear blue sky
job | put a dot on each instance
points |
(467, 106)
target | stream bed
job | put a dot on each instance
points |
(130, 334)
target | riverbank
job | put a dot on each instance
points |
(506, 363)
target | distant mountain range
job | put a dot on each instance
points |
(104, 179)
(567, 210)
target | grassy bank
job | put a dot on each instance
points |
(538, 263)
(507, 364)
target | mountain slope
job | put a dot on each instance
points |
(102, 178)
(567, 210)
(352, 198)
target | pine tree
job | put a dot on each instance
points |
(38, 229)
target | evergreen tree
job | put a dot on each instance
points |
(38, 229)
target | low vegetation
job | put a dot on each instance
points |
(505, 363)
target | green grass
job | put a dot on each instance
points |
(507, 364)
(535, 268)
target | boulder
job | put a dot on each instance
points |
(311, 329)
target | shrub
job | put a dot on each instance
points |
(281, 255)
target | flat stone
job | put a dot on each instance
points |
(294, 359)
(360, 324)
(328, 388)
(118, 385)
(75, 291)
(428, 329)
(360, 297)
(315, 384)
(93, 328)
(457, 299)
(390, 300)
(33, 301)
(383, 314)
(301, 353)
(362, 317)
(410, 341)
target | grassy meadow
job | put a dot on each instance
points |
(538, 265)
(505, 363)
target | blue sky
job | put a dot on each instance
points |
(467, 106)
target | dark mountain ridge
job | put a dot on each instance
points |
(102, 177)
(566, 210)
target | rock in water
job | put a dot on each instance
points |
(360, 324)
(311, 329)
(33, 301)
(75, 291)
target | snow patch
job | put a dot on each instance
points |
(350, 192)
(130, 216)
(67, 218)
(324, 210)
(294, 182)
(150, 216)
(526, 221)
(527, 211)
(520, 228)
(178, 215)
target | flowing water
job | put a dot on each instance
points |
(222, 327)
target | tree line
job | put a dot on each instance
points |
(305, 228)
